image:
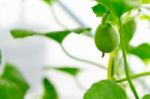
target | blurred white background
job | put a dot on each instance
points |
(32, 53)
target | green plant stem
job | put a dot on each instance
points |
(56, 18)
(79, 84)
(82, 60)
(134, 76)
(122, 40)
(110, 66)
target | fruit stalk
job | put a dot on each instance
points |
(110, 66)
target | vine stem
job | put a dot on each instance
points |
(122, 40)
(56, 18)
(79, 84)
(110, 66)
(134, 76)
(82, 60)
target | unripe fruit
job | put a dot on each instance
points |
(106, 38)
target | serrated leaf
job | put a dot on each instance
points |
(49, 90)
(69, 70)
(58, 36)
(10, 90)
(12, 74)
(142, 51)
(99, 10)
(119, 7)
(105, 89)
(146, 96)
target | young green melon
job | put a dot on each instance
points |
(106, 38)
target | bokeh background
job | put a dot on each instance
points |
(33, 53)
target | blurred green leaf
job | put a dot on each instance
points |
(146, 96)
(81, 30)
(49, 90)
(99, 10)
(19, 33)
(49, 2)
(145, 17)
(69, 70)
(105, 89)
(129, 27)
(58, 36)
(119, 7)
(12, 74)
(10, 90)
(142, 51)
(146, 1)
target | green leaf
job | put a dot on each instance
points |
(49, 90)
(105, 89)
(58, 36)
(129, 27)
(99, 10)
(69, 70)
(145, 17)
(145, 1)
(81, 30)
(146, 96)
(19, 33)
(13, 75)
(142, 51)
(119, 7)
(10, 90)
(48, 1)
